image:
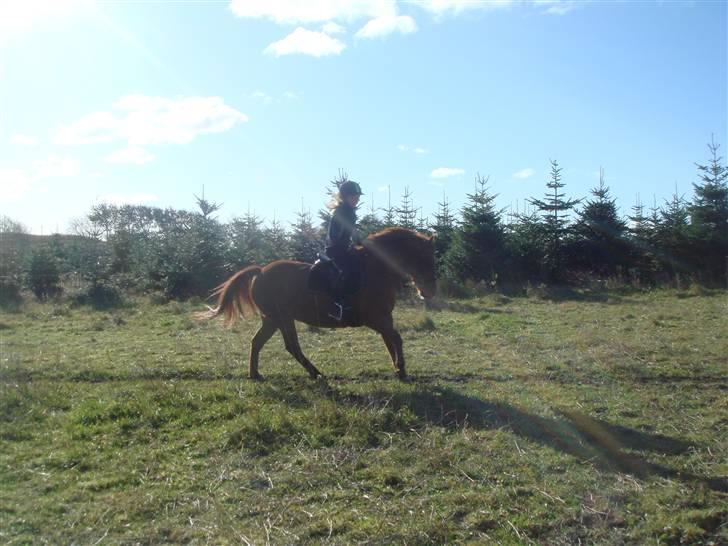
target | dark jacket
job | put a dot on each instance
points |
(341, 231)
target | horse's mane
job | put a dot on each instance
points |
(394, 242)
(397, 235)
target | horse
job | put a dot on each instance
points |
(278, 293)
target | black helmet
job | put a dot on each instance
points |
(350, 188)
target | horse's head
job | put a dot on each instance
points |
(410, 254)
(423, 267)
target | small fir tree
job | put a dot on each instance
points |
(672, 237)
(600, 233)
(554, 211)
(390, 212)
(641, 236)
(247, 244)
(305, 240)
(43, 274)
(709, 219)
(406, 212)
(443, 227)
(275, 241)
(478, 245)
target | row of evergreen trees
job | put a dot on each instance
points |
(564, 239)
(561, 240)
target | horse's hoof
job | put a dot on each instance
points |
(256, 377)
(404, 378)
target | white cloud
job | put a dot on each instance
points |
(128, 199)
(290, 95)
(56, 167)
(306, 42)
(524, 173)
(556, 7)
(20, 16)
(386, 25)
(261, 96)
(141, 121)
(133, 155)
(440, 7)
(416, 149)
(332, 28)
(311, 11)
(14, 183)
(444, 172)
(23, 140)
(382, 189)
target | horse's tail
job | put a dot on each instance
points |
(234, 299)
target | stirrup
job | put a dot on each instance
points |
(338, 317)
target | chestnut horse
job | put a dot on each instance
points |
(278, 293)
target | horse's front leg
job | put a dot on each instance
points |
(393, 342)
(290, 338)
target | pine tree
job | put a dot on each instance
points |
(600, 233)
(43, 274)
(247, 241)
(444, 228)
(641, 237)
(477, 248)
(709, 219)
(305, 240)
(390, 219)
(369, 223)
(275, 241)
(423, 223)
(406, 213)
(208, 245)
(526, 246)
(672, 237)
(640, 222)
(554, 211)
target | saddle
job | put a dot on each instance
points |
(327, 277)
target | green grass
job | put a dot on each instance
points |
(594, 420)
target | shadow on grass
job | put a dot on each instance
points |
(560, 293)
(589, 440)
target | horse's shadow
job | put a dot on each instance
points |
(589, 440)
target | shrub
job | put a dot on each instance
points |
(44, 274)
(100, 295)
(450, 287)
(10, 297)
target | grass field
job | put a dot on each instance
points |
(598, 420)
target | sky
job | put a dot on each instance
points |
(262, 103)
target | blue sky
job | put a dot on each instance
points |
(264, 101)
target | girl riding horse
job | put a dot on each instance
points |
(280, 295)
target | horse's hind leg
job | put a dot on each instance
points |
(264, 333)
(290, 338)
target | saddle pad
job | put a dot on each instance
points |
(321, 276)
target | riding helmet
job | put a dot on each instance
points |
(350, 188)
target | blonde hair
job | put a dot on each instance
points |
(336, 200)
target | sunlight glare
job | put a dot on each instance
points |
(19, 16)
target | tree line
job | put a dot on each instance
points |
(561, 240)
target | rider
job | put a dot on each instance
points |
(341, 232)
